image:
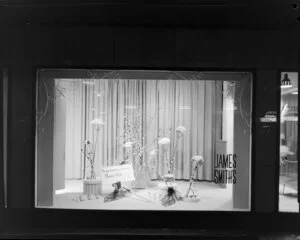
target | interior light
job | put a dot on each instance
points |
(286, 82)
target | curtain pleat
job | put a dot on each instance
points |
(74, 111)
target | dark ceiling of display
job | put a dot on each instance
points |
(284, 14)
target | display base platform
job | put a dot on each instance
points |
(210, 197)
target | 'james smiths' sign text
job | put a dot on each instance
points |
(225, 168)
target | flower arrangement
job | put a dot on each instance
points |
(180, 131)
(191, 192)
(97, 124)
(164, 141)
(89, 149)
(199, 160)
(164, 144)
(172, 195)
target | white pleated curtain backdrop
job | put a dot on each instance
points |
(164, 104)
(74, 97)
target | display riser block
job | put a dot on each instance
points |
(92, 187)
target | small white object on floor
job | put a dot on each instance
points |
(91, 197)
(83, 197)
(76, 199)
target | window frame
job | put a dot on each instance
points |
(79, 73)
(116, 221)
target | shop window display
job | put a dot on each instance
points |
(143, 140)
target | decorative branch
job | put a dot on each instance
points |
(47, 104)
(241, 109)
(90, 154)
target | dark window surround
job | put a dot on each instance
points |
(2, 202)
(97, 220)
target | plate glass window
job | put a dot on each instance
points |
(143, 140)
(288, 179)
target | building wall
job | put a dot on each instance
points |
(26, 48)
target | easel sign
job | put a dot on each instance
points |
(110, 175)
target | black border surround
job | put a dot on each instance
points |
(113, 222)
(30, 41)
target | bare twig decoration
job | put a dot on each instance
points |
(89, 150)
(47, 104)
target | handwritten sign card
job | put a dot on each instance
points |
(121, 173)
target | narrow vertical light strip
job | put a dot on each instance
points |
(144, 118)
(216, 109)
(250, 142)
(204, 134)
(157, 123)
(36, 136)
(85, 129)
(193, 84)
(5, 108)
(298, 142)
(82, 118)
(173, 127)
(214, 123)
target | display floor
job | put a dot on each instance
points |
(212, 198)
(288, 201)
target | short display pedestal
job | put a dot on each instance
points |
(92, 187)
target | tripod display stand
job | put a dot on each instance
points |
(191, 194)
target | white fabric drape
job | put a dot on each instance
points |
(162, 105)
(74, 97)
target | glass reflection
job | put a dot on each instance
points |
(288, 180)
